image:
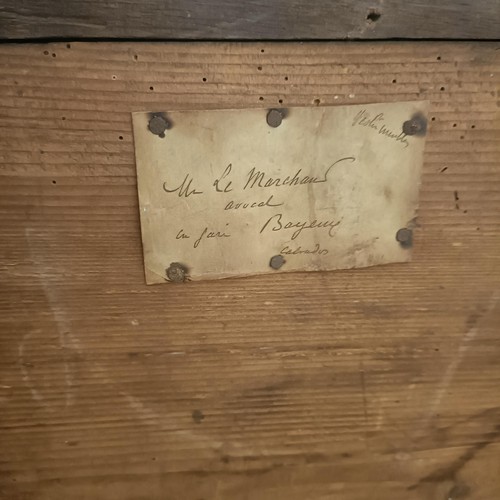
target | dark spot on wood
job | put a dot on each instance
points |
(317, 102)
(198, 416)
(133, 355)
(71, 443)
(225, 459)
(444, 169)
(346, 455)
(373, 16)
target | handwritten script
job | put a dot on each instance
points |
(222, 193)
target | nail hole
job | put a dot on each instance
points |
(444, 169)
(280, 101)
(46, 52)
(54, 182)
(433, 119)
(114, 77)
(53, 54)
(63, 118)
(261, 98)
(394, 81)
(472, 126)
(442, 88)
(151, 88)
(120, 137)
(136, 57)
(373, 16)
(317, 102)
(454, 125)
(259, 68)
(68, 46)
(204, 79)
(286, 78)
(438, 58)
(262, 50)
(465, 211)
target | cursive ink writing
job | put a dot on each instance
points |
(364, 119)
(181, 235)
(235, 206)
(184, 189)
(299, 250)
(257, 178)
(210, 234)
(227, 187)
(401, 137)
(279, 224)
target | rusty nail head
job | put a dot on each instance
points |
(157, 125)
(416, 126)
(405, 237)
(274, 118)
(176, 272)
(277, 261)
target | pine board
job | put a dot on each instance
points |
(379, 383)
(249, 19)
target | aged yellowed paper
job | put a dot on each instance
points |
(250, 191)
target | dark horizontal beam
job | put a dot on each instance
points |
(249, 19)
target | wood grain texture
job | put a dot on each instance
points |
(379, 383)
(250, 19)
